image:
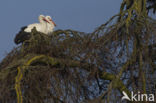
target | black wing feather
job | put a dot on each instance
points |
(22, 36)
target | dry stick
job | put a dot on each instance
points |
(115, 80)
(19, 78)
(17, 85)
(54, 62)
(48, 60)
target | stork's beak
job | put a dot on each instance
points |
(53, 22)
(45, 20)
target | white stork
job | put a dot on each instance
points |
(50, 25)
(24, 34)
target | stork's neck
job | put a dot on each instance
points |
(42, 25)
(42, 21)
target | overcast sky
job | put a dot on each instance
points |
(81, 15)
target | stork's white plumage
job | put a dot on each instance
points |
(50, 25)
(41, 27)
(24, 34)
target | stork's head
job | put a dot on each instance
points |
(48, 18)
(42, 19)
